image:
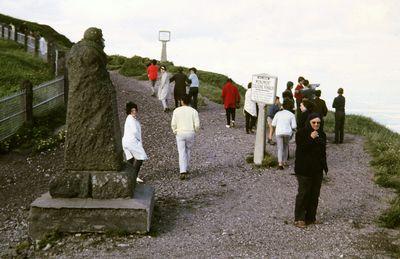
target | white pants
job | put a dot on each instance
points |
(282, 142)
(164, 103)
(184, 141)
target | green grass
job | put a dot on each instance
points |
(384, 147)
(267, 162)
(17, 65)
(210, 83)
(40, 136)
(115, 62)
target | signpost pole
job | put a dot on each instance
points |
(259, 147)
(263, 93)
(164, 37)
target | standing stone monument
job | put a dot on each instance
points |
(97, 191)
(263, 93)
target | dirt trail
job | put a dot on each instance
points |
(227, 208)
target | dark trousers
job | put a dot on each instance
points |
(193, 92)
(339, 126)
(230, 113)
(298, 112)
(307, 198)
(177, 98)
(250, 121)
(136, 164)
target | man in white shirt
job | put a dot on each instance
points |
(185, 122)
(194, 87)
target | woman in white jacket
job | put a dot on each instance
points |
(284, 123)
(132, 139)
(250, 110)
(163, 89)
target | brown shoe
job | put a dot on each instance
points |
(300, 224)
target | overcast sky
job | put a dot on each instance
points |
(350, 44)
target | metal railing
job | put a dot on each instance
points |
(46, 97)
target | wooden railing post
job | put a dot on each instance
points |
(28, 88)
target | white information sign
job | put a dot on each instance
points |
(164, 35)
(264, 88)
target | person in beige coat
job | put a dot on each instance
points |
(185, 122)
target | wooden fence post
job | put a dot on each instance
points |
(28, 88)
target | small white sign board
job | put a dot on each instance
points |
(164, 35)
(264, 88)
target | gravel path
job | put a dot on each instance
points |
(226, 208)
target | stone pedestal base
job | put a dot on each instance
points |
(92, 215)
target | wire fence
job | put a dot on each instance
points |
(46, 97)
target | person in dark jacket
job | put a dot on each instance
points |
(180, 80)
(272, 110)
(306, 108)
(288, 95)
(320, 107)
(309, 166)
(338, 104)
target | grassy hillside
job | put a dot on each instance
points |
(46, 31)
(210, 83)
(384, 147)
(17, 65)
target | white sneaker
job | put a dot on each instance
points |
(138, 180)
(232, 124)
(227, 126)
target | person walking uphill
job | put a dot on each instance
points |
(185, 122)
(250, 110)
(152, 73)
(284, 123)
(338, 104)
(180, 80)
(309, 166)
(132, 139)
(163, 90)
(272, 110)
(231, 99)
(194, 87)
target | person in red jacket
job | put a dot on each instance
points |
(231, 99)
(152, 73)
(299, 97)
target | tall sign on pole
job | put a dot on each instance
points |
(263, 93)
(164, 37)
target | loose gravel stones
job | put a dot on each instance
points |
(226, 208)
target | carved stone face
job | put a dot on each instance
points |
(95, 35)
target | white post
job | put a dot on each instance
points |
(259, 147)
(263, 92)
(164, 51)
(164, 37)
(56, 64)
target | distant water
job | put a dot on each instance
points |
(383, 109)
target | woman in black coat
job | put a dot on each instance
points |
(309, 166)
(306, 108)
